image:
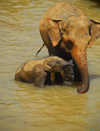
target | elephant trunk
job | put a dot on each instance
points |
(80, 58)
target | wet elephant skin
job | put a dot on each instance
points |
(67, 31)
(38, 71)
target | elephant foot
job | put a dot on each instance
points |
(82, 90)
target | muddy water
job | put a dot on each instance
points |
(24, 107)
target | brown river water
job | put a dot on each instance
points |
(24, 107)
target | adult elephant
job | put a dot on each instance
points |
(66, 32)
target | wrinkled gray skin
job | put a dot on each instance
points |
(67, 31)
(38, 71)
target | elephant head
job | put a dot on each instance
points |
(73, 35)
(55, 64)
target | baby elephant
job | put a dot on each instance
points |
(38, 71)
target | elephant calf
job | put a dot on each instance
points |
(38, 71)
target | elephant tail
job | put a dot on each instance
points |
(40, 49)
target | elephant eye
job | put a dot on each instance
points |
(69, 45)
(58, 62)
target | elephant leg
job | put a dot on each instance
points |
(77, 75)
(58, 77)
(39, 80)
(48, 79)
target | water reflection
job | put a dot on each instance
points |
(56, 107)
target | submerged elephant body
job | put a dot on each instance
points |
(38, 71)
(66, 32)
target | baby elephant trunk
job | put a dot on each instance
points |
(59, 70)
(65, 64)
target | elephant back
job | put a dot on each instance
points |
(62, 11)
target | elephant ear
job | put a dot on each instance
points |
(53, 31)
(47, 66)
(95, 31)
